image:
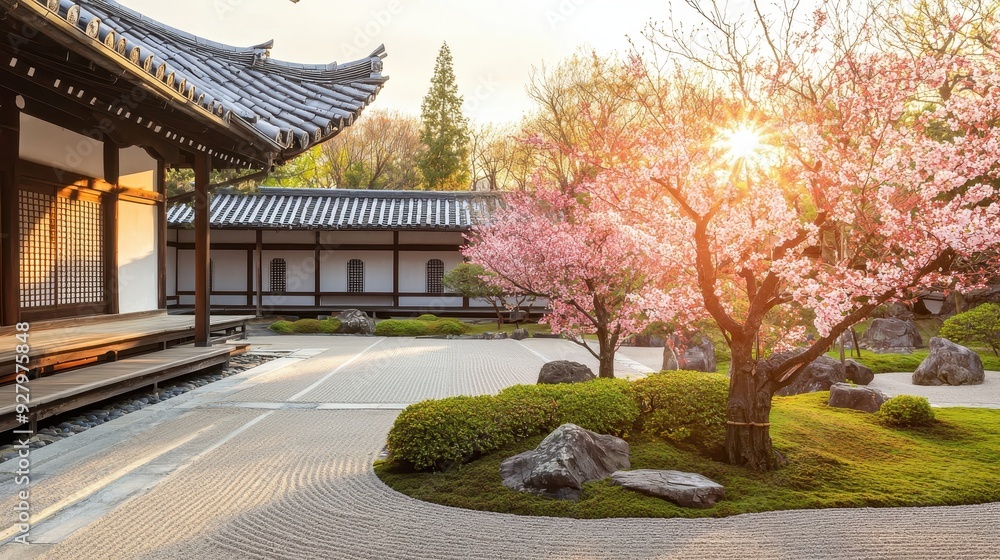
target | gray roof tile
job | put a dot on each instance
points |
(281, 208)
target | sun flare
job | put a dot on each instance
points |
(741, 143)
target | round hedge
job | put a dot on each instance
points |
(906, 411)
(436, 434)
(685, 407)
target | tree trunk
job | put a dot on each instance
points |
(748, 437)
(606, 355)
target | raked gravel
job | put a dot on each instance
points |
(241, 482)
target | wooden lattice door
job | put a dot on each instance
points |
(62, 265)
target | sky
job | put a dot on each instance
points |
(495, 43)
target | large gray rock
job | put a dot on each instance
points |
(355, 321)
(858, 373)
(817, 376)
(519, 334)
(682, 488)
(564, 461)
(949, 364)
(865, 399)
(564, 371)
(892, 336)
(699, 357)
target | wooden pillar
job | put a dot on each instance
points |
(109, 204)
(161, 236)
(260, 273)
(250, 269)
(316, 273)
(10, 127)
(202, 255)
(395, 268)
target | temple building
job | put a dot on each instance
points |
(317, 251)
(97, 101)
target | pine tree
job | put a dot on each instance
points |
(445, 130)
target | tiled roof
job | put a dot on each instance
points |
(274, 208)
(293, 106)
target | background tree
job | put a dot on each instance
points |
(500, 159)
(471, 280)
(444, 164)
(599, 277)
(980, 325)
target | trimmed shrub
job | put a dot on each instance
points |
(906, 411)
(427, 317)
(604, 406)
(420, 327)
(686, 407)
(447, 326)
(980, 325)
(401, 327)
(306, 326)
(436, 434)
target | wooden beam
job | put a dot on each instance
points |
(161, 236)
(260, 273)
(250, 286)
(395, 268)
(109, 203)
(10, 135)
(309, 247)
(60, 178)
(316, 264)
(202, 296)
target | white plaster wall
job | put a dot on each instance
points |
(137, 271)
(378, 270)
(229, 271)
(229, 236)
(354, 301)
(413, 268)
(136, 169)
(431, 302)
(299, 270)
(355, 237)
(171, 266)
(185, 235)
(430, 238)
(185, 271)
(57, 147)
(285, 300)
(289, 237)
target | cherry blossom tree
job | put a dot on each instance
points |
(749, 181)
(600, 275)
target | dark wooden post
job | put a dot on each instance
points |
(10, 142)
(110, 206)
(395, 268)
(316, 272)
(202, 296)
(161, 236)
(260, 273)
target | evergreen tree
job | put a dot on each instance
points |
(445, 131)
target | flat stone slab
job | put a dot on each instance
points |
(684, 489)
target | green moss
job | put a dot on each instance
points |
(306, 326)
(401, 327)
(888, 363)
(427, 317)
(837, 458)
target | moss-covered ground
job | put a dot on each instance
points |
(836, 458)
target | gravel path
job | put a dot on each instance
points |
(986, 395)
(261, 465)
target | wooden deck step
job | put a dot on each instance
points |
(64, 343)
(67, 391)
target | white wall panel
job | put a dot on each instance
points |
(137, 267)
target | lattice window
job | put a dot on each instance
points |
(355, 275)
(435, 275)
(61, 250)
(278, 275)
